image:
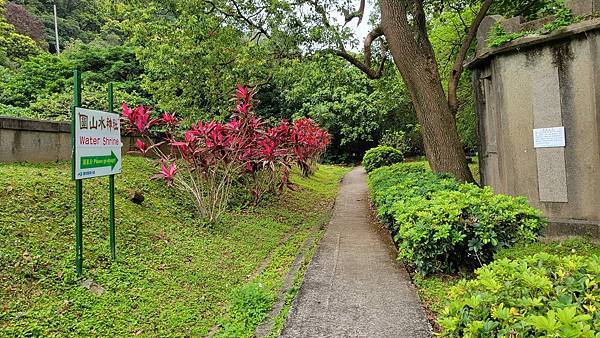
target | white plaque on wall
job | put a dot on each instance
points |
(549, 137)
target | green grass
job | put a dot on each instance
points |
(433, 289)
(172, 277)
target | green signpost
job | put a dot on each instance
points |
(99, 161)
(96, 151)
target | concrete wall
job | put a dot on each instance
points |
(24, 140)
(553, 81)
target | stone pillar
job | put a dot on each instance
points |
(551, 168)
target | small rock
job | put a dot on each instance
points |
(137, 197)
(92, 286)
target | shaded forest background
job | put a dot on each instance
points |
(186, 57)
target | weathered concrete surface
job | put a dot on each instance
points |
(354, 287)
(544, 81)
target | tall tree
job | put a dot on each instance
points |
(405, 28)
(403, 24)
(25, 23)
(401, 27)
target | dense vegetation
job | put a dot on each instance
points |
(172, 275)
(191, 70)
(522, 287)
(381, 156)
(442, 226)
(528, 305)
(208, 159)
(529, 296)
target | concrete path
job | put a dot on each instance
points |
(353, 287)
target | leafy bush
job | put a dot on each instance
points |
(440, 225)
(14, 47)
(388, 185)
(533, 296)
(43, 83)
(39, 75)
(459, 228)
(381, 156)
(396, 139)
(8, 110)
(571, 246)
(209, 158)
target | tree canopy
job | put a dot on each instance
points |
(304, 58)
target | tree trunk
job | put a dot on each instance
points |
(414, 58)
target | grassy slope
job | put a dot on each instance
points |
(172, 276)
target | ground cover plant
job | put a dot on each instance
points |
(172, 276)
(442, 226)
(531, 296)
(520, 308)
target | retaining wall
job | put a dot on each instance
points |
(25, 140)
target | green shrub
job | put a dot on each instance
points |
(391, 184)
(440, 225)
(381, 156)
(8, 110)
(533, 296)
(452, 229)
(571, 246)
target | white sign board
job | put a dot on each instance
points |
(549, 137)
(97, 143)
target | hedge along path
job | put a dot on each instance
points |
(354, 286)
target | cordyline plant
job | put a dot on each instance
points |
(210, 157)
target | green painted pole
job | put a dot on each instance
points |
(111, 188)
(78, 183)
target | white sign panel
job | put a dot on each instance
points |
(549, 137)
(97, 143)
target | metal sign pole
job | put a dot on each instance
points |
(111, 183)
(56, 31)
(78, 183)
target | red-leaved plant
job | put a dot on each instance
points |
(207, 159)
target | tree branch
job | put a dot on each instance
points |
(372, 36)
(462, 54)
(357, 14)
(240, 15)
(365, 66)
(248, 21)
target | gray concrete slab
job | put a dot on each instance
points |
(353, 286)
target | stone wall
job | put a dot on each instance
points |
(538, 82)
(24, 140)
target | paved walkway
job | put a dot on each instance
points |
(353, 286)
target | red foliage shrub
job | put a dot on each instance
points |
(208, 158)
